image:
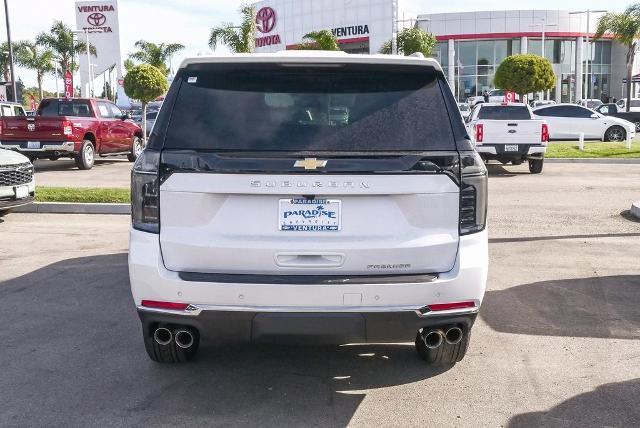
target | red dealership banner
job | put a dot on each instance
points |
(509, 97)
(32, 103)
(68, 84)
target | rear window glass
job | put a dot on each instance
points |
(53, 108)
(347, 108)
(504, 113)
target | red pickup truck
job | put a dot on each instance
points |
(78, 128)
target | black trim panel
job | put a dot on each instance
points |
(306, 279)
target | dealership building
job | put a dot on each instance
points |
(471, 45)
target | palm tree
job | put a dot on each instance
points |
(31, 56)
(4, 58)
(411, 40)
(238, 38)
(625, 28)
(129, 64)
(323, 40)
(154, 54)
(60, 39)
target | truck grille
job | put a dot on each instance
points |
(14, 175)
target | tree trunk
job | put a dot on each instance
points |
(39, 79)
(630, 58)
(144, 123)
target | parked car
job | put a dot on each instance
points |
(17, 183)
(509, 133)
(77, 128)
(498, 96)
(567, 121)
(474, 100)
(614, 111)
(465, 110)
(9, 109)
(278, 223)
(540, 103)
(635, 104)
(590, 103)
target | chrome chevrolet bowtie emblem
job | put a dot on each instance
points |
(310, 163)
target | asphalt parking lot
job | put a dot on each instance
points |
(107, 172)
(557, 342)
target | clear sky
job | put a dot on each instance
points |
(189, 21)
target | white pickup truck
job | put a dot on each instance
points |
(509, 133)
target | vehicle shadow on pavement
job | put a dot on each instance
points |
(72, 351)
(600, 307)
(498, 170)
(611, 405)
(44, 165)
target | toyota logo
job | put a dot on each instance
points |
(96, 19)
(266, 19)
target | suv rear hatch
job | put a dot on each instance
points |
(309, 169)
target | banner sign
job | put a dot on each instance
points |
(68, 84)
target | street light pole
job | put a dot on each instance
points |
(13, 75)
(588, 90)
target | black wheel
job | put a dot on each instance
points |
(86, 155)
(535, 165)
(170, 352)
(615, 134)
(444, 354)
(137, 146)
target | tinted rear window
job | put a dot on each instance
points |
(53, 108)
(351, 108)
(504, 113)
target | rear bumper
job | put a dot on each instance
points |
(496, 151)
(44, 146)
(387, 311)
(317, 328)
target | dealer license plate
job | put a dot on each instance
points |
(33, 144)
(309, 215)
(22, 192)
(510, 147)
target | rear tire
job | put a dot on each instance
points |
(137, 146)
(86, 156)
(615, 134)
(535, 165)
(445, 354)
(170, 353)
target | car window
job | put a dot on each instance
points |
(115, 110)
(152, 115)
(635, 103)
(504, 113)
(7, 110)
(464, 107)
(18, 111)
(104, 110)
(603, 109)
(353, 108)
(53, 108)
(578, 112)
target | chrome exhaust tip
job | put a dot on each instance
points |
(184, 339)
(433, 339)
(162, 336)
(454, 335)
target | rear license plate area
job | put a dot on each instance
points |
(309, 215)
(511, 148)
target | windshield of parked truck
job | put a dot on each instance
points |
(272, 107)
(504, 113)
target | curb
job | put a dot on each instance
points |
(73, 208)
(635, 209)
(610, 161)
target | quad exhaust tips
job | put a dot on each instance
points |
(435, 338)
(184, 339)
(453, 335)
(162, 336)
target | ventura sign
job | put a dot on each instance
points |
(354, 30)
(100, 20)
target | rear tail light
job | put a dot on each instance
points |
(473, 193)
(145, 192)
(545, 134)
(165, 305)
(67, 127)
(449, 306)
(479, 131)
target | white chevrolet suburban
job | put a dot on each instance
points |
(509, 132)
(308, 197)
